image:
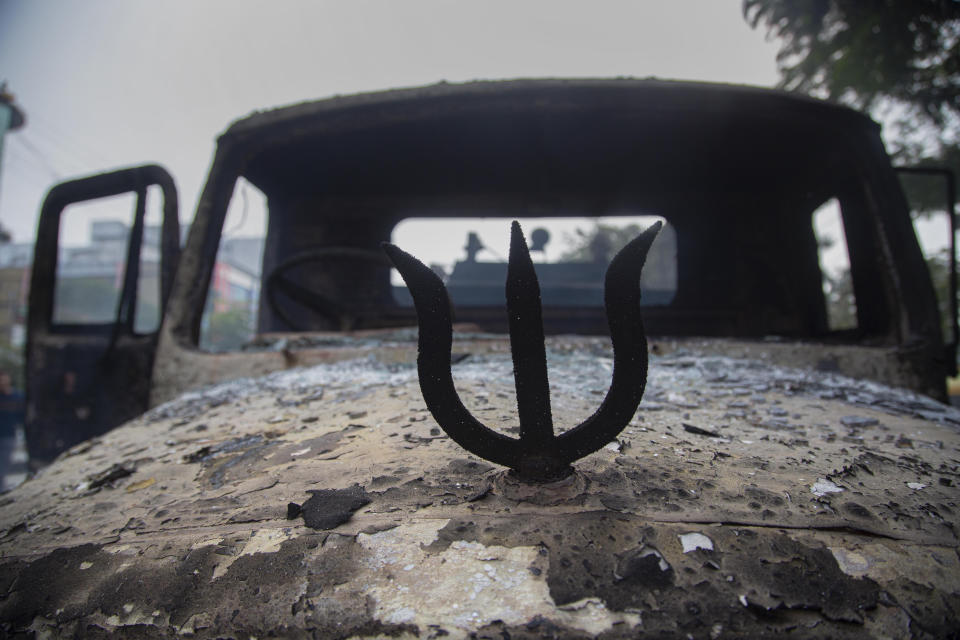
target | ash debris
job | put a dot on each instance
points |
(681, 379)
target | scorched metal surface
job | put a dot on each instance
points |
(743, 500)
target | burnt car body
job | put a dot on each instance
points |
(774, 479)
(737, 172)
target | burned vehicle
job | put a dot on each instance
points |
(782, 473)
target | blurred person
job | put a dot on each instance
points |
(11, 419)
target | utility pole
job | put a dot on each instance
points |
(11, 118)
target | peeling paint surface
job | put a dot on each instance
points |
(412, 586)
(260, 541)
(702, 521)
(851, 562)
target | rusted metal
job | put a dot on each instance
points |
(539, 454)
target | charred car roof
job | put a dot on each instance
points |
(589, 136)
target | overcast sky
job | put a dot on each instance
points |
(111, 83)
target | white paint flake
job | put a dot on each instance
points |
(916, 486)
(822, 487)
(467, 585)
(851, 563)
(694, 541)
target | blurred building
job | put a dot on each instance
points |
(90, 277)
(15, 261)
(236, 274)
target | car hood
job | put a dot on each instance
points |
(743, 498)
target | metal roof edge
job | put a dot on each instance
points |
(259, 120)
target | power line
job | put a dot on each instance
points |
(80, 160)
(38, 154)
(59, 151)
(65, 137)
(26, 166)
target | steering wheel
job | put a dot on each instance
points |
(339, 314)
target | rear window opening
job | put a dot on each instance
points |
(570, 256)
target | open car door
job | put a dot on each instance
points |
(94, 310)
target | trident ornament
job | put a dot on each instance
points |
(539, 454)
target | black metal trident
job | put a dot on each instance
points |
(538, 455)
